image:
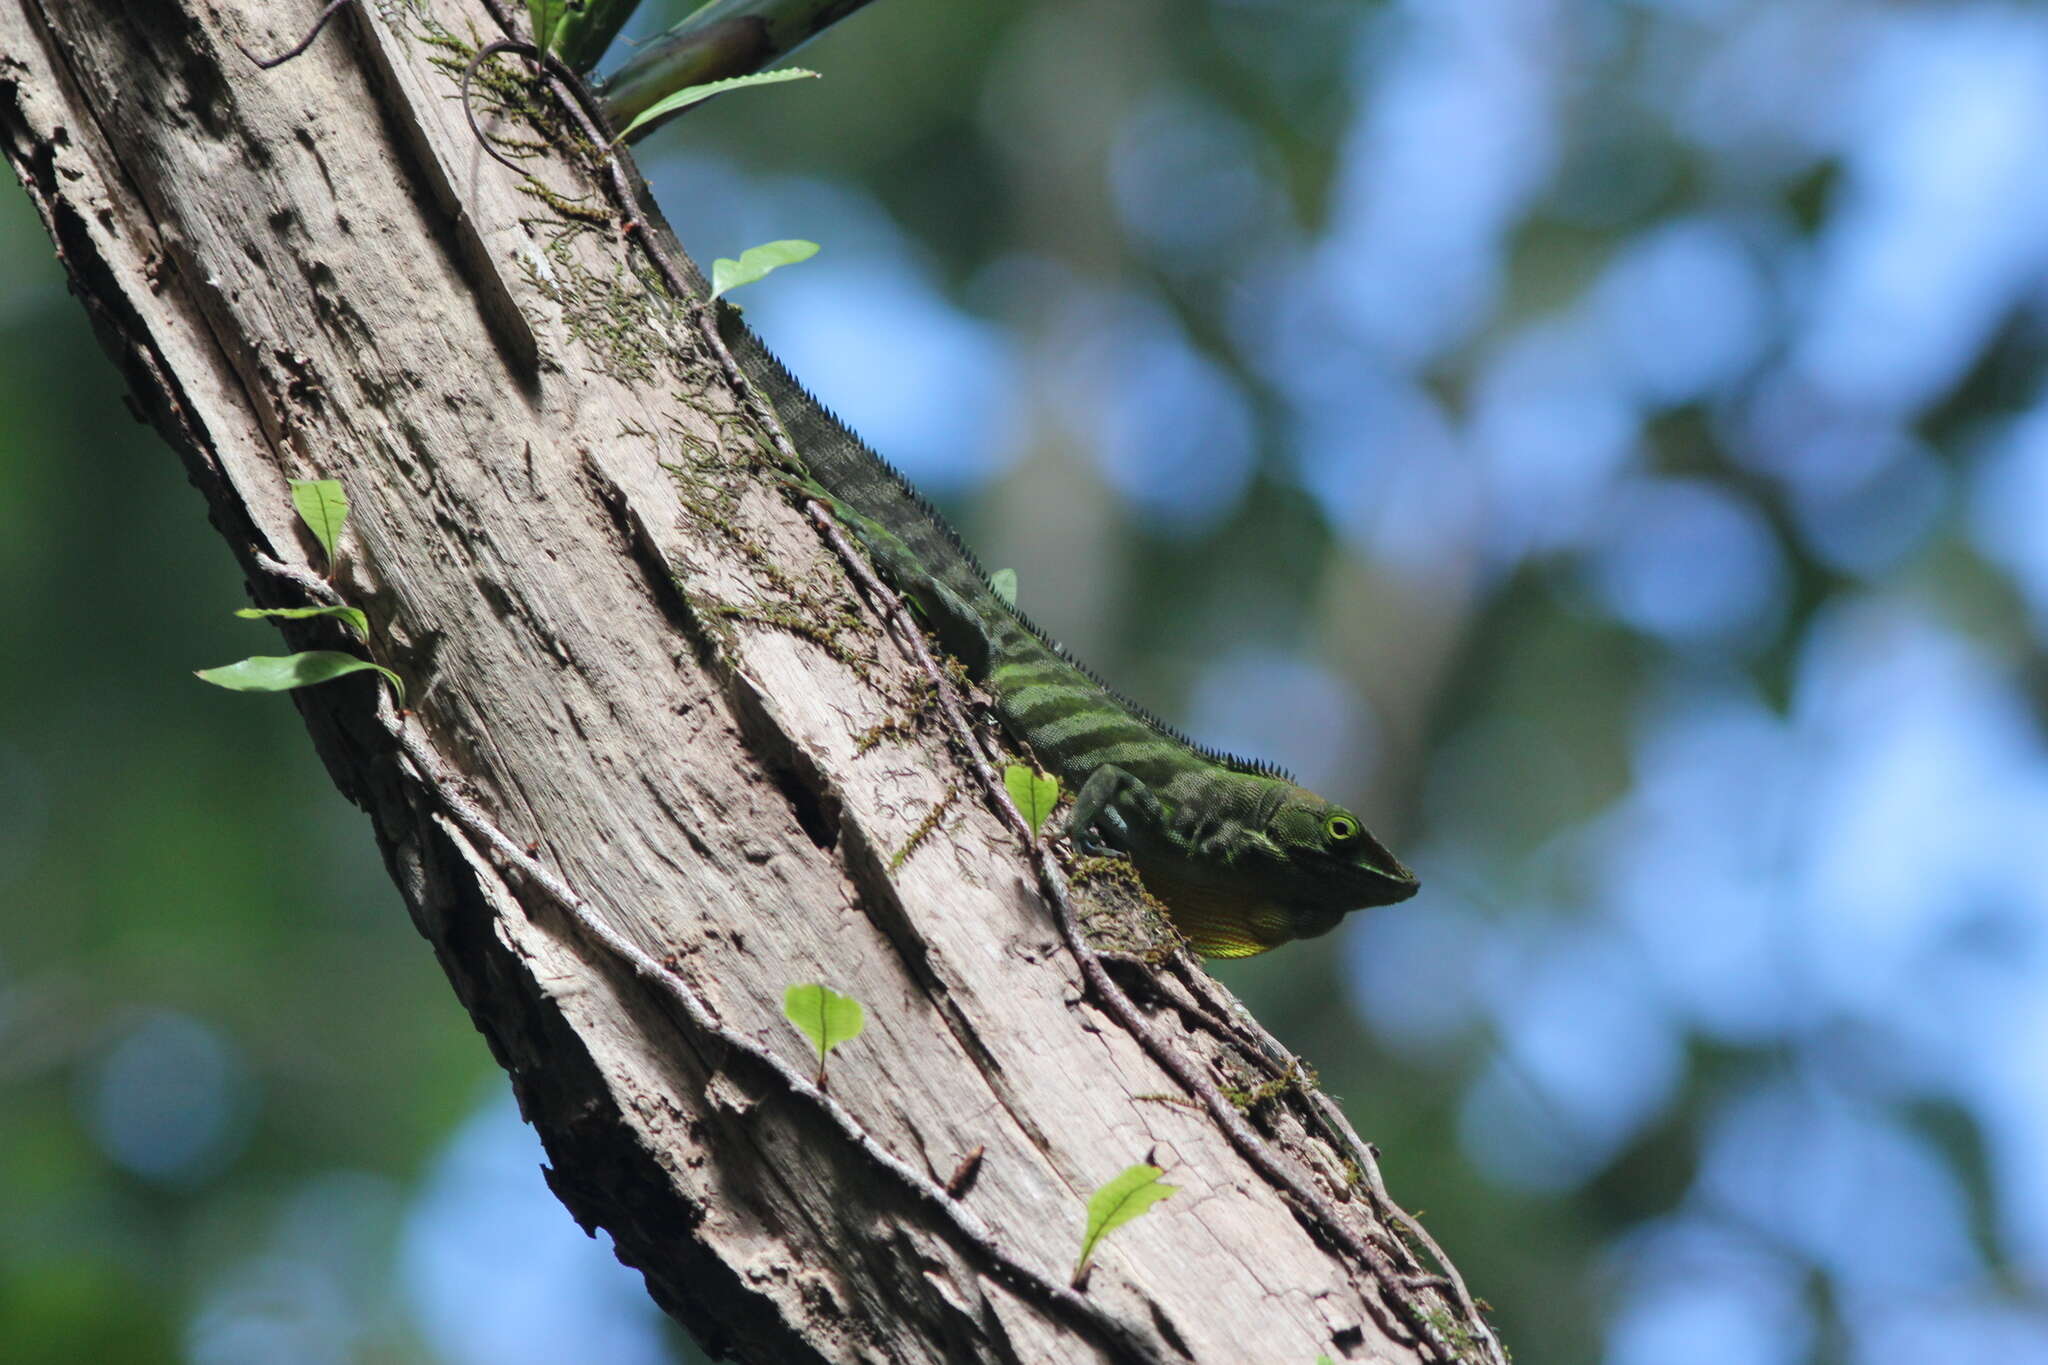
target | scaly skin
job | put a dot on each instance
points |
(1242, 858)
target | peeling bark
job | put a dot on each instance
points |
(637, 655)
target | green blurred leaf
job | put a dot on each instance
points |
(826, 1017)
(1035, 794)
(352, 617)
(547, 16)
(1004, 581)
(282, 673)
(697, 94)
(324, 508)
(756, 261)
(1117, 1203)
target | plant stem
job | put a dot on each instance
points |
(585, 34)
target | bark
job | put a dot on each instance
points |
(650, 671)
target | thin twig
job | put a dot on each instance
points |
(268, 63)
(305, 580)
(484, 54)
(1338, 1131)
(1384, 1204)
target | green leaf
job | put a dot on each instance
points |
(350, 616)
(1035, 794)
(1116, 1204)
(547, 16)
(324, 508)
(282, 673)
(756, 261)
(1004, 581)
(826, 1017)
(697, 94)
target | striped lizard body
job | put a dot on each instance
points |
(1243, 858)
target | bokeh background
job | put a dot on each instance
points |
(1605, 440)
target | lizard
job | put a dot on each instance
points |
(1243, 858)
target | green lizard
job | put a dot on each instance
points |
(1242, 857)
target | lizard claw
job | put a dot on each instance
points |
(1108, 824)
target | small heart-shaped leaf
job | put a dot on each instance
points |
(826, 1017)
(1035, 794)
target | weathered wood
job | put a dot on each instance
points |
(639, 656)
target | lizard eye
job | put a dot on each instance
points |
(1340, 828)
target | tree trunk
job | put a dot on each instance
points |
(718, 774)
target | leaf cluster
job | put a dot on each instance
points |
(323, 506)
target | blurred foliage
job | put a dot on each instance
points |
(1603, 439)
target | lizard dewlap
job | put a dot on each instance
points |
(1243, 859)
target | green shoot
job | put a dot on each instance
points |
(1117, 1203)
(1035, 794)
(324, 508)
(826, 1017)
(1004, 581)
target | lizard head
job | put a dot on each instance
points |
(1323, 862)
(1302, 865)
